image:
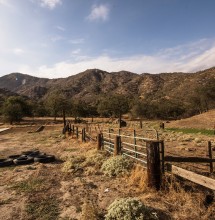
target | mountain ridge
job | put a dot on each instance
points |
(90, 84)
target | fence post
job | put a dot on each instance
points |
(73, 129)
(69, 129)
(109, 137)
(162, 125)
(77, 132)
(82, 135)
(153, 164)
(162, 156)
(117, 146)
(87, 127)
(99, 141)
(141, 123)
(210, 156)
(135, 143)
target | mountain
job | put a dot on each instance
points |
(92, 83)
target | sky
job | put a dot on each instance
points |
(59, 38)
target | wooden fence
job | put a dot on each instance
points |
(149, 152)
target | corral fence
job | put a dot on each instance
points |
(150, 152)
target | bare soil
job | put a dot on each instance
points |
(44, 191)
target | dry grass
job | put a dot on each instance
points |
(176, 200)
(89, 211)
(180, 202)
(138, 178)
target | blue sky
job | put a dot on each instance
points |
(58, 38)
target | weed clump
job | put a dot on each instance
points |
(95, 158)
(115, 166)
(129, 209)
(73, 163)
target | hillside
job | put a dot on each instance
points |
(202, 121)
(4, 93)
(92, 83)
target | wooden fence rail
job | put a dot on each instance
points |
(188, 159)
(191, 176)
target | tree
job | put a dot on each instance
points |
(57, 104)
(162, 108)
(204, 98)
(114, 105)
(15, 108)
(139, 109)
(79, 109)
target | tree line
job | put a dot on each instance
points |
(56, 104)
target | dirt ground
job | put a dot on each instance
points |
(47, 191)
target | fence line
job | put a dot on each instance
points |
(149, 152)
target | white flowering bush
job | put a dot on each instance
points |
(117, 165)
(129, 209)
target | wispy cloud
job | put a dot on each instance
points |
(75, 52)
(77, 41)
(183, 58)
(60, 28)
(50, 4)
(18, 51)
(99, 13)
(56, 38)
(5, 3)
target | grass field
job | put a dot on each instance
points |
(192, 131)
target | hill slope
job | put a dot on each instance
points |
(204, 121)
(92, 83)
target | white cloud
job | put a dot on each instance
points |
(5, 3)
(100, 12)
(51, 4)
(60, 28)
(183, 58)
(18, 51)
(75, 52)
(56, 38)
(77, 41)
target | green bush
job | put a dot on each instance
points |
(129, 209)
(115, 166)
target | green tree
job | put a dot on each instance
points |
(57, 104)
(114, 105)
(15, 108)
(203, 98)
(79, 109)
(139, 109)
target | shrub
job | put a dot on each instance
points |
(115, 166)
(129, 209)
(95, 158)
(73, 163)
